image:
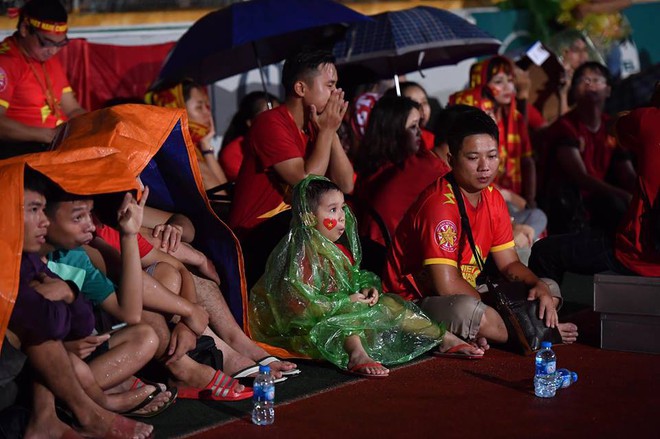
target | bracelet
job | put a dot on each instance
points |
(208, 151)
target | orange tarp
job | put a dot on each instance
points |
(100, 153)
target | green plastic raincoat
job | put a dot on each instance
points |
(302, 301)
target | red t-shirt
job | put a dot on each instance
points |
(596, 149)
(112, 237)
(260, 193)
(639, 132)
(231, 157)
(430, 233)
(391, 190)
(535, 119)
(23, 85)
(346, 251)
(428, 139)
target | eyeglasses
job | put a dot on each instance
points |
(47, 42)
(586, 80)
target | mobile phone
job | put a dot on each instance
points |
(114, 328)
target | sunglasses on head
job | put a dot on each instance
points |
(47, 42)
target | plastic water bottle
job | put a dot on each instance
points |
(545, 382)
(263, 401)
(565, 378)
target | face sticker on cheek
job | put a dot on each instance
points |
(330, 223)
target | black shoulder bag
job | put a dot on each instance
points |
(509, 299)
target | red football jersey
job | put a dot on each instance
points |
(431, 233)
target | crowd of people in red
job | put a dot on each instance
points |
(580, 194)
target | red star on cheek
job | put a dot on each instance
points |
(330, 223)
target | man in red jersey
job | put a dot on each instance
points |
(634, 249)
(431, 259)
(285, 145)
(35, 95)
(589, 180)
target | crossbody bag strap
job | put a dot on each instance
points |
(465, 221)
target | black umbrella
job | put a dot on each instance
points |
(247, 35)
(399, 42)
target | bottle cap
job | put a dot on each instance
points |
(264, 368)
(546, 344)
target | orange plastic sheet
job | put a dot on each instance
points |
(98, 153)
(83, 172)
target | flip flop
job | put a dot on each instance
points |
(243, 376)
(356, 370)
(220, 388)
(454, 353)
(271, 359)
(131, 413)
(141, 382)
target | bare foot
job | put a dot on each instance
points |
(362, 364)
(132, 383)
(568, 331)
(48, 427)
(278, 367)
(482, 343)
(450, 341)
(126, 401)
(188, 373)
(112, 426)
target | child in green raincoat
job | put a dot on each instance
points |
(314, 299)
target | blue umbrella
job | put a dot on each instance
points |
(246, 35)
(399, 42)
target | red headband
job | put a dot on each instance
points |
(47, 26)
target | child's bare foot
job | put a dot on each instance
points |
(361, 364)
(568, 331)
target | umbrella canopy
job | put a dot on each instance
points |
(400, 42)
(246, 35)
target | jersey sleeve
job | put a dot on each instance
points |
(275, 139)
(439, 226)
(502, 230)
(96, 282)
(8, 80)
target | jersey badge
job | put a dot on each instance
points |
(446, 235)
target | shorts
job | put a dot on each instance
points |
(460, 313)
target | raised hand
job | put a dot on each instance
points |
(333, 113)
(129, 215)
